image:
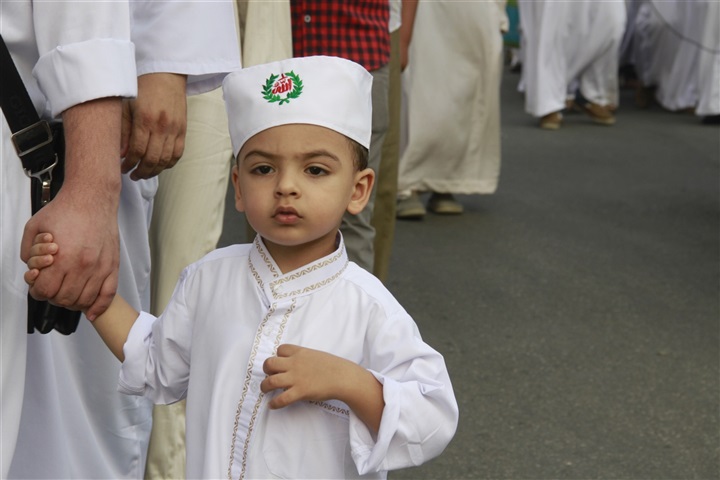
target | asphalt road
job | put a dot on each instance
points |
(578, 308)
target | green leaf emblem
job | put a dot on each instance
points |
(282, 88)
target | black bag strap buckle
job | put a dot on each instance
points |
(44, 176)
(32, 138)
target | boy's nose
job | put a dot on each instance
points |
(286, 186)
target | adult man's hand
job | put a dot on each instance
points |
(154, 125)
(83, 216)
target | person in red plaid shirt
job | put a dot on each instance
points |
(357, 30)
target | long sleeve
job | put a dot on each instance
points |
(161, 31)
(84, 51)
(157, 353)
(420, 415)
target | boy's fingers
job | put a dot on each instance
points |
(42, 249)
(275, 365)
(42, 238)
(286, 398)
(287, 349)
(273, 382)
(30, 276)
(38, 262)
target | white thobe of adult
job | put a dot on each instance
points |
(66, 54)
(650, 39)
(709, 62)
(681, 41)
(74, 423)
(563, 41)
(451, 86)
(229, 313)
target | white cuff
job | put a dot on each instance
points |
(136, 348)
(79, 72)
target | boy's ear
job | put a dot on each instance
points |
(239, 203)
(364, 181)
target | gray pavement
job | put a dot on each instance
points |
(578, 308)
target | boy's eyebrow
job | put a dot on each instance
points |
(319, 153)
(304, 156)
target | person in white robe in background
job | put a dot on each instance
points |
(564, 41)
(678, 52)
(708, 105)
(451, 115)
(74, 423)
(295, 362)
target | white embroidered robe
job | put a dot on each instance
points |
(230, 311)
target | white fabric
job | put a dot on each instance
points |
(35, 30)
(230, 311)
(649, 41)
(197, 38)
(72, 412)
(452, 91)
(709, 62)
(334, 93)
(678, 51)
(563, 41)
(395, 15)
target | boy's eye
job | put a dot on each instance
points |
(262, 169)
(315, 171)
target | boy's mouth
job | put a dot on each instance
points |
(286, 215)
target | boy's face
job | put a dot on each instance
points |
(295, 182)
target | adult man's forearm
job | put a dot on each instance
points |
(83, 216)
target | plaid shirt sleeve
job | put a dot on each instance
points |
(357, 30)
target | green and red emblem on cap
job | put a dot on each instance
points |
(277, 85)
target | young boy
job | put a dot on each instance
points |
(295, 362)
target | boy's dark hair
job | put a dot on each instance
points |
(360, 154)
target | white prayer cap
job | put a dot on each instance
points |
(330, 92)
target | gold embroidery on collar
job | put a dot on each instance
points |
(256, 274)
(306, 271)
(294, 276)
(310, 288)
(265, 257)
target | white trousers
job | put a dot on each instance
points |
(563, 41)
(678, 51)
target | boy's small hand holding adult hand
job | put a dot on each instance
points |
(307, 374)
(41, 255)
(113, 325)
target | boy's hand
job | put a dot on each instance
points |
(304, 374)
(41, 254)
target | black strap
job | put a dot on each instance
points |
(33, 142)
(32, 137)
